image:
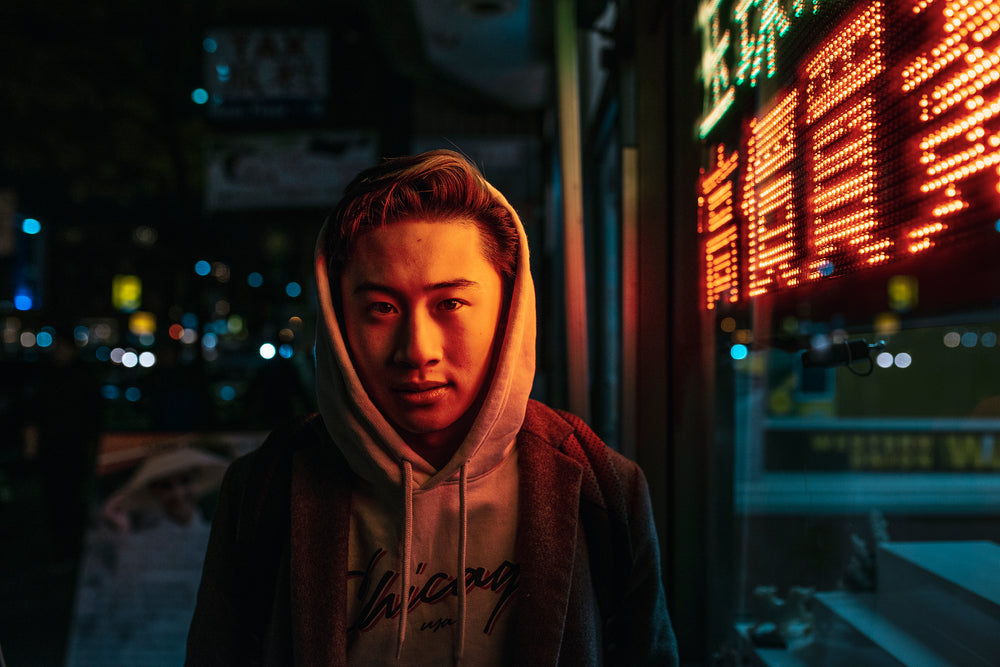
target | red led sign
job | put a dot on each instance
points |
(880, 143)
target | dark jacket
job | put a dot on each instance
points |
(274, 585)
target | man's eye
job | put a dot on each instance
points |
(450, 304)
(381, 308)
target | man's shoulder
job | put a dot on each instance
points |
(607, 474)
(556, 427)
(274, 455)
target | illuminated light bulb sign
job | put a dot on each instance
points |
(771, 215)
(843, 220)
(878, 139)
(717, 223)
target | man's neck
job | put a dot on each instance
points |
(437, 447)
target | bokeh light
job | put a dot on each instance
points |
(903, 360)
(884, 360)
(293, 289)
(31, 226)
(202, 267)
(738, 351)
(952, 339)
(267, 351)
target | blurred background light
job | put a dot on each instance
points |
(23, 301)
(31, 226)
(286, 351)
(969, 339)
(884, 360)
(116, 355)
(255, 279)
(199, 96)
(111, 392)
(82, 334)
(126, 292)
(43, 339)
(952, 339)
(133, 394)
(234, 324)
(130, 359)
(210, 45)
(267, 351)
(738, 351)
(27, 339)
(988, 339)
(227, 393)
(202, 268)
(293, 289)
(903, 360)
(147, 359)
(209, 340)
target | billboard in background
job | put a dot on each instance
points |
(284, 170)
(266, 73)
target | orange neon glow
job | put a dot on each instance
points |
(768, 204)
(958, 83)
(842, 209)
(881, 140)
(717, 223)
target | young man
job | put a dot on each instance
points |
(430, 513)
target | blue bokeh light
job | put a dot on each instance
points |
(738, 351)
(199, 96)
(286, 351)
(255, 279)
(44, 339)
(23, 301)
(227, 393)
(210, 45)
(111, 392)
(202, 268)
(31, 226)
(293, 289)
(133, 394)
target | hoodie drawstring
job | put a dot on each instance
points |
(404, 567)
(463, 522)
(406, 557)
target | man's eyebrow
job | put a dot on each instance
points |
(371, 286)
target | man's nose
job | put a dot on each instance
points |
(419, 342)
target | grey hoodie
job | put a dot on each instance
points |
(414, 528)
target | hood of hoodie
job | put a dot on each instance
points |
(373, 448)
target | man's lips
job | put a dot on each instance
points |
(421, 393)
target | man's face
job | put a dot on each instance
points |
(421, 306)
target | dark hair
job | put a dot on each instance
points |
(432, 186)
